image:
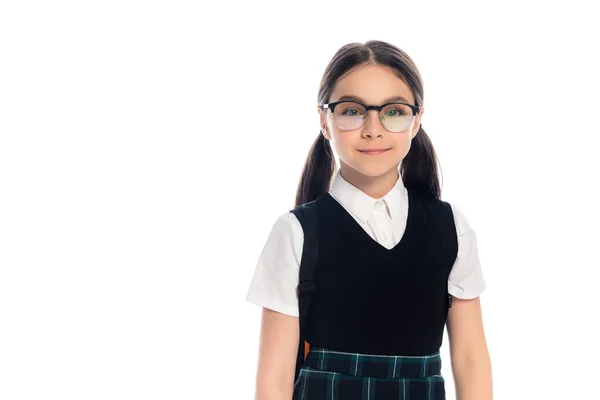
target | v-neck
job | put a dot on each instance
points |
(407, 230)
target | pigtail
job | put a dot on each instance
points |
(318, 171)
(419, 168)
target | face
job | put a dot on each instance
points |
(373, 84)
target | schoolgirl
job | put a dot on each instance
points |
(392, 264)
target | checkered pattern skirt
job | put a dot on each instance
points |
(335, 375)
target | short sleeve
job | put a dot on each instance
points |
(466, 280)
(276, 274)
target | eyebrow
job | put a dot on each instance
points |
(387, 100)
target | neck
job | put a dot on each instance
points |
(374, 186)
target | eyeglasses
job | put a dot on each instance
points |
(351, 115)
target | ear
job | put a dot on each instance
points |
(417, 123)
(323, 123)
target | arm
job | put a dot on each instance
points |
(470, 359)
(277, 353)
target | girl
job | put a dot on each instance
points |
(387, 281)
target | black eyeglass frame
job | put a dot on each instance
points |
(331, 106)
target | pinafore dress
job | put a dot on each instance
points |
(372, 320)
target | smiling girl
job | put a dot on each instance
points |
(359, 280)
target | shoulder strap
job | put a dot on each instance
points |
(307, 215)
(441, 211)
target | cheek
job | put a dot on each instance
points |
(331, 127)
(343, 142)
(403, 143)
(403, 138)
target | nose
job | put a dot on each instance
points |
(372, 126)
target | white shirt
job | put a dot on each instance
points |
(277, 272)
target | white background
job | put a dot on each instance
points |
(146, 149)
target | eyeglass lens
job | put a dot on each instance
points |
(394, 117)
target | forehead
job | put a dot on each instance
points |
(372, 83)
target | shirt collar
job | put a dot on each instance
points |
(360, 204)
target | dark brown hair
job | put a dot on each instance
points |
(418, 169)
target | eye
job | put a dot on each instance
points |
(351, 112)
(395, 112)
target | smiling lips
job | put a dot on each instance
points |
(373, 152)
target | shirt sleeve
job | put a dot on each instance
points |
(276, 274)
(466, 280)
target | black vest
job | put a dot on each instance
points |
(358, 296)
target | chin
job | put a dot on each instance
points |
(374, 170)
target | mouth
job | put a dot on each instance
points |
(373, 152)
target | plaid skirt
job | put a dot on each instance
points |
(335, 375)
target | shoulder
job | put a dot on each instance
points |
(461, 222)
(286, 224)
(285, 239)
(466, 280)
(302, 212)
(463, 225)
